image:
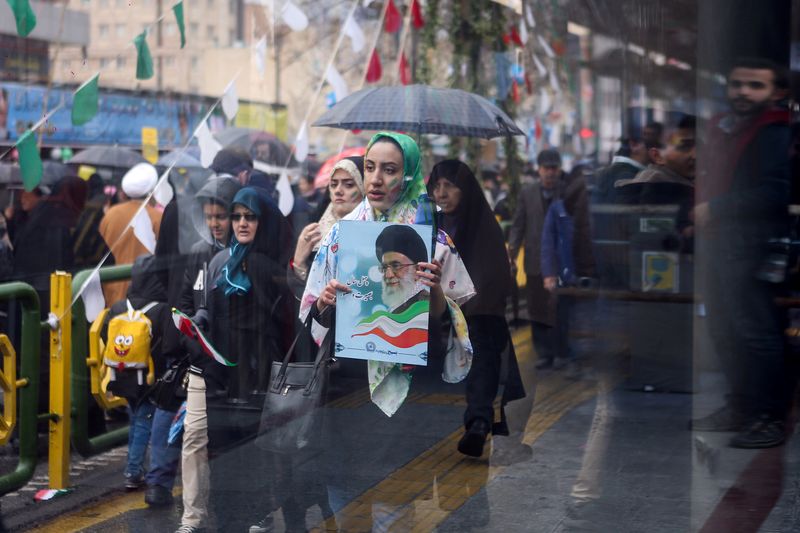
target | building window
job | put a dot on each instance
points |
(121, 3)
(102, 30)
(86, 2)
(195, 62)
(210, 3)
(121, 30)
(210, 32)
(170, 29)
(103, 62)
(121, 62)
(65, 64)
(103, 3)
(194, 28)
(169, 61)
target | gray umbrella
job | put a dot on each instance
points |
(420, 109)
(190, 158)
(261, 145)
(52, 171)
(107, 156)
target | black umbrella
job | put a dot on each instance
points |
(420, 109)
(107, 156)
(261, 146)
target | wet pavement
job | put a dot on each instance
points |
(602, 458)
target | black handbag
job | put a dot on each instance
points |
(291, 418)
(169, 391)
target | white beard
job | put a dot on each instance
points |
(396, 295)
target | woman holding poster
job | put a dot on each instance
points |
(395, 192)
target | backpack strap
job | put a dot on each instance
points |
(148, 307)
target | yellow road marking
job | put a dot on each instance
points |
(97, 513)
(420, 495)
(411, 498)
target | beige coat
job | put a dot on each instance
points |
(125, 247)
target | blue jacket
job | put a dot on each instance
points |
(557, 236)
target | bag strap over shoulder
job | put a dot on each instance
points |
(279, 380)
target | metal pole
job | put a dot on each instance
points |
(60, 321)
(81, 395)
(29, 394)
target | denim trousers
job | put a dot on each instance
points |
(164, 459)
(141, 419)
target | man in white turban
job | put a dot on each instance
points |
(127, 237)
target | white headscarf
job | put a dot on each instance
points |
(328, 218)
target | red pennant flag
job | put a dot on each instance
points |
(515, 36)
(405, 70)
(506, 39)
(374, 70)
(528, 84)
(538, 131)
(416, 15)
(515, 91)
(393, 19)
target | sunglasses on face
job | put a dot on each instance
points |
(250, 217)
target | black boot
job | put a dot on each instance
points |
(475, 437)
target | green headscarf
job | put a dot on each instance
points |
(413, 187)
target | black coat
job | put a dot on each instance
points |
(43, 245)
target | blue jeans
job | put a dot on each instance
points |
(164, 458)
(138, 436)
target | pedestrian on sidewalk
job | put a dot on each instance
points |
(559, 268)
(742, 204)
(466, 216)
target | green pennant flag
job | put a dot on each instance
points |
(29, 160)
(24, 15)
(144, 61)
(84, 105)
(178, 10)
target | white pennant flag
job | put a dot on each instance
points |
(544, 102)
(285, 194)
(529, 16)
(539, 66)
(353, 30)
(301, 144)
(555, 135)
(260, 55)
(336, 82)
(294, 17)
(547, 49)
(208, 145)
(163, 193)
(92, 295)
(143, 229)
(523, 32)
(554, 81)
(230, 100)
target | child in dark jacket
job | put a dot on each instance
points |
(148, 294)
(559, 270)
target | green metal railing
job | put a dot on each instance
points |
(28, 384)
(81, 391)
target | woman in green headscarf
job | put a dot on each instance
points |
(395, 192)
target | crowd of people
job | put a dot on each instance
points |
(258, 283)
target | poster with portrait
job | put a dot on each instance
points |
(385, 316)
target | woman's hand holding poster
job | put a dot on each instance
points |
(384, 317)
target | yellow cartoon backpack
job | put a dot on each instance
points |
(128, 345)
